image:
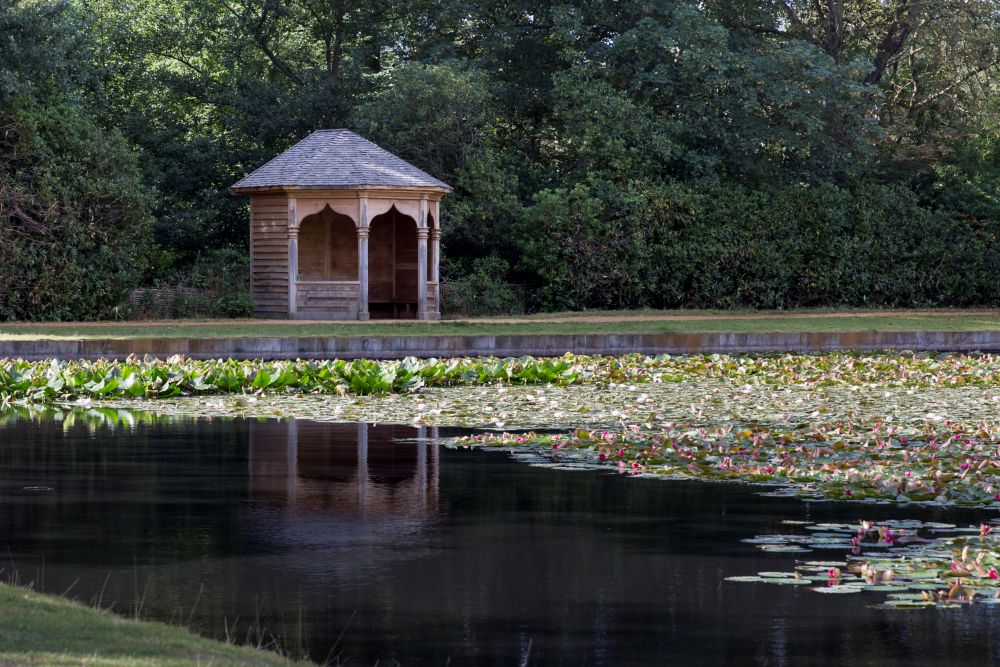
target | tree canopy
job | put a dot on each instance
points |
(604, 153)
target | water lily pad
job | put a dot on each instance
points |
(906, 596)
(909, 604)
(837, 589)
(825, 563)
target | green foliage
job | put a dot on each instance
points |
(729, 246)
(73, 211)
(42, 382)
(713, 153)
(216, 284)
(54, 380)
(484, 290)
(442, 118)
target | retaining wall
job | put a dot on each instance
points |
(397, 347)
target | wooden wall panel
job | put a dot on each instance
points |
(269, 255)
(328, 247)
(327, 297)
(406, 259)
(343, 247)
(313, 243)
(381, 250)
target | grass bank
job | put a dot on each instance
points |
(47, 630)
(665, 322)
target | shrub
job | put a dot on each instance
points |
(216, 284)
(728, 246)
(73, 211)
(483, 290)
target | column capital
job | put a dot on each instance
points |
(422, 233)
(435, 233)
(293, 233)
(362, 232)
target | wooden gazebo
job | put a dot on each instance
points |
(339, 229)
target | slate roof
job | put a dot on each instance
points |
(337, 159)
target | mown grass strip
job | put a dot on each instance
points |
(682, 323)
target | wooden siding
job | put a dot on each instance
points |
(327, 298)
(269, 255)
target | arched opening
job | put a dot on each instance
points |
(328, 247)
(392, 266)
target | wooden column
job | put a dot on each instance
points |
(436, 269)
(293, 257)
(363, 258)
(422, 233)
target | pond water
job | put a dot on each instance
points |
(369, 543)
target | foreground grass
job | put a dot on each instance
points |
(40, 629)
(652, 322)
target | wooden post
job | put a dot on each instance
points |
(436, 270)
(363, 257)
(293, 257)
(422, 273)
(422, 233)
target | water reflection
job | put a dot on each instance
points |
(362, 493)
(397, 550)
(345, 469)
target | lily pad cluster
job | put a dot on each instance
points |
(149, 377)
(915, 564)
(939, 461)
(152, 378)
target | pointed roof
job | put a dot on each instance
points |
(337, 159)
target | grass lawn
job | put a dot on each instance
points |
(550, 323)
(45, 630)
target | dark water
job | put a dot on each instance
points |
(407, 552)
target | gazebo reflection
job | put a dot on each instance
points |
(348, 470)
